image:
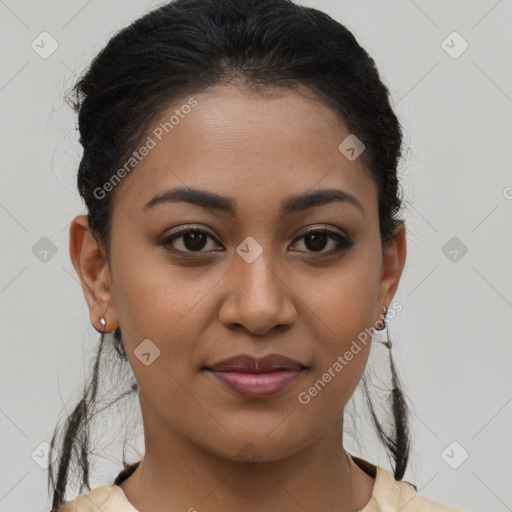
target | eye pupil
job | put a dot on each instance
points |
(198, 241)
(318, 239)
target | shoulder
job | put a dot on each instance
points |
(390, 494)
(105, 498)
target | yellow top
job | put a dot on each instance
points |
(389, 495)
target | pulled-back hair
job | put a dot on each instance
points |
(186, 47)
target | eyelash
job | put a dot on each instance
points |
(343, 243)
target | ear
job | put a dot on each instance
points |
(90, 262)
(393, 262)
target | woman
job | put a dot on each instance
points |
(242, 247)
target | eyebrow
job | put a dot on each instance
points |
(292, 204)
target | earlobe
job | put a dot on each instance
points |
(90, 263)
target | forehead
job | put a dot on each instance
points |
(259, 149)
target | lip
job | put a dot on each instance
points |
(257, 377)
(249, 364)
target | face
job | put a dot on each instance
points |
(264, 278)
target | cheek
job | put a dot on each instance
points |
(341, 353)
(166, 305)
(153, 295)
(342, 301)
(340, 306)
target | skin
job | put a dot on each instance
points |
(199, 309)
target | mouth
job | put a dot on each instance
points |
(257, 377)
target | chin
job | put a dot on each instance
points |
(258, 445)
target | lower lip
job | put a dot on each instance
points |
(257, 385)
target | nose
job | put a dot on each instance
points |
(258, 298)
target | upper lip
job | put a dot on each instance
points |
(249, 364)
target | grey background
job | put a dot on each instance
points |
(452, 341)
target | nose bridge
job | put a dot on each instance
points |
(258, 296)
(256, 268)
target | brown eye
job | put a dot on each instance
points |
(186, 240)
(189, 241)
(194, 241)
(316, 240)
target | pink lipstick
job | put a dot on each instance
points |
(257, 377)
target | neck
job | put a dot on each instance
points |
(177, 474)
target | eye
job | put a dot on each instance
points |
(194, 240)
(191, 240)
(317, 239)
